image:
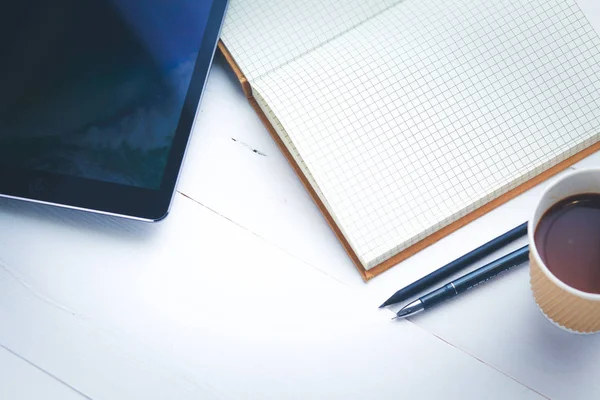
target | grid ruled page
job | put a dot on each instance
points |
(433, 108)
(263, 35)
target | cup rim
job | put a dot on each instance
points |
(533, 247)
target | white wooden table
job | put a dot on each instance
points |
(243, 292)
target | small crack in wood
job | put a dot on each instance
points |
(252, 149)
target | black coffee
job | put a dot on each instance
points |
(568, 240)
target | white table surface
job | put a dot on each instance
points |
(243, 292)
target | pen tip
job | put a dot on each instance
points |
(404, 312)
(383, 305)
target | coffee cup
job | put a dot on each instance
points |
(565, 305)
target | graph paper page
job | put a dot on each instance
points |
(263, 35)
(433, 108)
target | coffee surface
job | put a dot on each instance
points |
(568, 240)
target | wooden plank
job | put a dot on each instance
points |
(197, 307)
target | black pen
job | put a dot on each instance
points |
(466, 282)
(457, 265)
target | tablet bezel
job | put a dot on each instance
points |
(115, 199)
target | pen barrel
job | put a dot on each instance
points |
(457, 265)
(475, 278)
(437, 296)
(491, 270)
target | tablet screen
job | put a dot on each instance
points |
(95, 89)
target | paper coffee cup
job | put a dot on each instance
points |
(567, 307)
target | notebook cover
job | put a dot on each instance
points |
(406, 253)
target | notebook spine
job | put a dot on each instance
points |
(236, 69)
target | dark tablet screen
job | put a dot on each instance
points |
(95, 89)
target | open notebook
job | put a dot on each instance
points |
(408, 119)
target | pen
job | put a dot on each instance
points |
(457, 265)
(466, 282)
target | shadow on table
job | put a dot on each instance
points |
(81, 220)
(564, 355)
(229, 73)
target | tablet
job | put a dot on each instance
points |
(98, 99)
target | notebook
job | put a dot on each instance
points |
(408, 119)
